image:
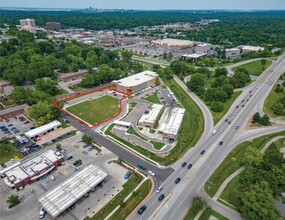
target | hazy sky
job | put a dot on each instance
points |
(148, 4)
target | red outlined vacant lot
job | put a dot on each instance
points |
(87, 93)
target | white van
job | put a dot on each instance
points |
(214, 132)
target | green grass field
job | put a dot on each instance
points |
(270, 101)
(234, 161)
(8, 152)
(208, 212)
(153, 98)
(96, 110)
(254, 68)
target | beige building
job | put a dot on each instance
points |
(28, 25)
(149, 119)
(174, 43)
(136, 82)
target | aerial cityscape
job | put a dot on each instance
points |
(142, 110)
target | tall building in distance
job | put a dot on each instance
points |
(28, 25)
(55, 26)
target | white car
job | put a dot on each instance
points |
(151, 173)
(42, 213)
(222, 130)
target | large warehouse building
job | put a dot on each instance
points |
(136, 82)
(70, 191)
(171, 123)
(32, 170)
(34, 133)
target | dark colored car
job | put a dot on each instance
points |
(226, 120)
(242, 106)
(229, 122)
(69, 157)
(161, 197)
(142, 209)
(189, 166)
(237, 106)
(141, 165)
(177, 180)
(77, 162)
(221, 143)
(202, 152)
(184, 164)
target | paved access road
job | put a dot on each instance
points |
(192, 181)
(161, 174)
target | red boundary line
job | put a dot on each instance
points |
(87, 93)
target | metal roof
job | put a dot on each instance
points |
(40, 130)
(67, 193)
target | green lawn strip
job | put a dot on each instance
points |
(231, 188)
(157, 121)
(234, 161)
(280, 143)
(191, 214)
(8, 152)
(77, 89)
(270, 101)
(64, 124)
(151, 131)
(228, 205)
(96, 110)
(208, 212)
(217, 116)
(136, 148)
(62, 91)
(157, 145)
(133, 104)
(132, 202)
(254, 68)
(153, 98)
(128, 187)
(131, 130)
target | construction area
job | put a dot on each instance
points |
(70, 191)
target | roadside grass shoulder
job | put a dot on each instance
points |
(132, 202)
(208, 212)
(254, 68)
(8, 151)
(234, 161)
(270, 101)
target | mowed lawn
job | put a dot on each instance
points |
(254, 68)
(96, 110)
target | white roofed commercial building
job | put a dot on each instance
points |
(136, 82)
(174, 43)
(43, 129)
(67, 193)
(171, 123)
(149, 119)
(32, 169)
(194, 57)
(233, 53)
(246, 49)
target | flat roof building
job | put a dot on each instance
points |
(33, 169)
(70, 191)
(73, 76)
(203, 48)
(42, 130)
(194, 57)
(174, 43)
(246, 49)
(136, 82)
(233, 53)
(53, 26)
(171, 123)
(149, 119)
(13, 111)
(28, 25)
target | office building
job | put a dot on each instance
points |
(28, 25)
(149, 118)
(233, 53)
(55, 26)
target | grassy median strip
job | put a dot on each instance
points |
(217, 116)
(234, 161)
(136, 198)
(131, 130)
(128, 187)
(153, 98)
(208, 212)
(254, 68)
(157, 145)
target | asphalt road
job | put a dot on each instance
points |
(178, 198)
(161, 174)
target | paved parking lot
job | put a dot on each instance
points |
(29, 206)
(152, 50)
(15, 123)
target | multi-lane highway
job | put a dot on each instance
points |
(179, 196)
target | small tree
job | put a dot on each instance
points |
(265, 120)
(263, 62)
(198, 204)
(13, 200)
(122, 204)
(87, 139)
(256, 118)
(217, 107)
(58, 147)
(278, 109)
